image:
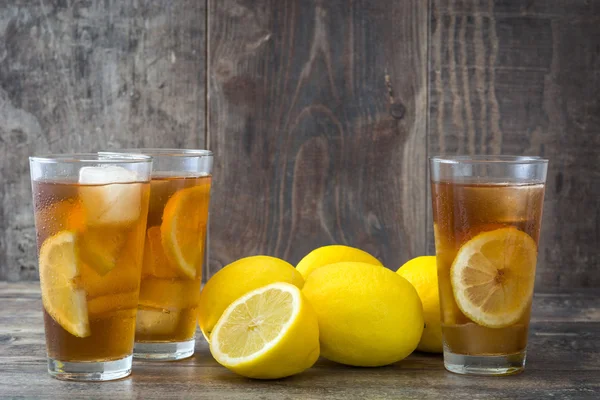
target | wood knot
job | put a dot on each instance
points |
(397, 110)
(5, 339)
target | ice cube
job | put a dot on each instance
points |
(150, 322)
(102, 305)
(169, 294)
(100, 247)
(116, 200)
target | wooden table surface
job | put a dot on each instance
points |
(563, 363)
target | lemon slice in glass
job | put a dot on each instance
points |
(62, 297)
(183, 229)
(269, 333)
(493, 275)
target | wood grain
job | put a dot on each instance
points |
(321, 113)
(317, 120)
(523, 78)
(86, 75)
(563, 362)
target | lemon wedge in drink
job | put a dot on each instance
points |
(62, 297)
(492, 277)
(269, 333)
(183, 229)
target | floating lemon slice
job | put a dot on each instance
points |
(63, 299)
(183, 229)
(268, 333)
(492, 276)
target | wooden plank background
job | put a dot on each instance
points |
(321, 114)
(513, 77)
(87, 75)
(309, 148)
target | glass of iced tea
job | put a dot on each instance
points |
(487, 212)
(90, 218)
(174, 253)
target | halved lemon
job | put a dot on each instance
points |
(493, 275)
(269, 333)
(183, 229)
(62, 296)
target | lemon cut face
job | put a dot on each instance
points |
(268, 333)
(237, 279)
(493, 276)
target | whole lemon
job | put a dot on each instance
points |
(237, 279)
(368, 315)
(333, 254)
(421, 272)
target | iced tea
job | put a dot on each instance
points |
(486, 234)
(173, 259)
(174, 252)
(90, 238)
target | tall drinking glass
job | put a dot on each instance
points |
(90, 218)
(487, 212)
(174, 253)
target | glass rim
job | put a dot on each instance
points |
(161, 152)
(91, 158)
(488, 159)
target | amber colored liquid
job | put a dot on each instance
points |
(460, 212)
(112, 297)
(168, 304)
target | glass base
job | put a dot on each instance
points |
(90, 370)
(508, 364)
(164, 351)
